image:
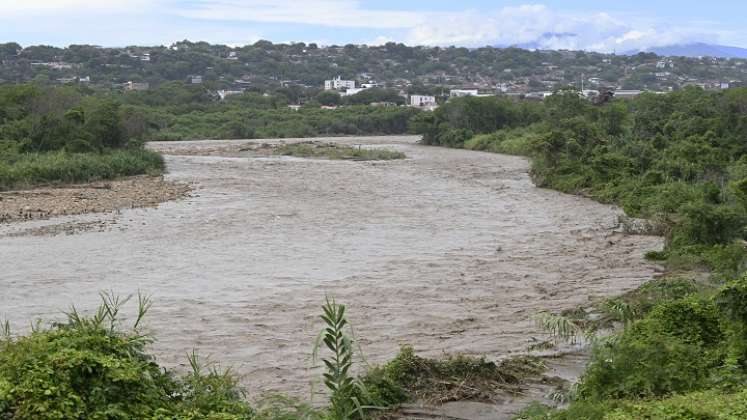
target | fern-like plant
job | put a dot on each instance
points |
(342, 386)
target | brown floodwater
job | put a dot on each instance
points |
(448, 251)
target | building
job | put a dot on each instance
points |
(56, 65)
(223, 94)
(422, 101)
(195, 80)
(458, 93)
(538, 95)
(627, 94)
(338, 84)
(352, 91)
(136, 86)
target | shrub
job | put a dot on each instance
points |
(88, 367)
(640, 366)
(411, 377)
(61, 167)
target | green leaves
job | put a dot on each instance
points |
(89, 367)
(343, 401)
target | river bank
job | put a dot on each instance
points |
(95, 197)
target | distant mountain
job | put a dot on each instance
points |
(699, 49)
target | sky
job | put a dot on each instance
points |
(605, 26)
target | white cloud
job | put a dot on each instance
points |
(542, 27)
(530, 24)
(24, 8)
(337, 13)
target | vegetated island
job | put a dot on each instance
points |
(336, 152)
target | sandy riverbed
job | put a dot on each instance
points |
(448, 250)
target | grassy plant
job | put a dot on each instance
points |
(34, 169)
(336, 152)
(562, 328)
(454, 378)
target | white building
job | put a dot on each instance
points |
(353, 91)
(223, 94)
(458, 93)
(422, 101)
(196, 80)
(134, 86)
(627, 94)
(338, 84)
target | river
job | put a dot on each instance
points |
(448, 250)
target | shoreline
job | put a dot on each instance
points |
(95, 197)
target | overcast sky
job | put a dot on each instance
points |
(605, 26)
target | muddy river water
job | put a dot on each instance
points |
(447, 250)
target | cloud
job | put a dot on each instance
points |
(27, 8)
(531, 24)
(343, 21)
(541, 27)
(335, 13)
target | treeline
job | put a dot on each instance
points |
(679, 160)
(177, 111)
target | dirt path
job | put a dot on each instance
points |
(448, 250)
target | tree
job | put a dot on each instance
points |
(329, 98)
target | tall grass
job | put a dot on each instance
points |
(337, 152)
(34, 169)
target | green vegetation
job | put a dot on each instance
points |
(97, 367)
(93, 367)
(64, 136)
(33, 169)
(75, 134)
(333, 151)
(409, 377)
(233, 120)
(285, 68)
(679, 160)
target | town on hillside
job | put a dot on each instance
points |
(417, 76)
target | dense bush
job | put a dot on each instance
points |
(90, 367)
(679, 159)
(32, 169)
(238, 123)
(73, 134)
(672, 350)
(64, 135)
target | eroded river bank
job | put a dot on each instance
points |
(448, 250)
